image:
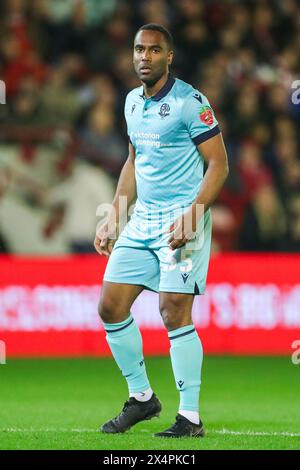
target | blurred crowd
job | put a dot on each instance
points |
(67, 66)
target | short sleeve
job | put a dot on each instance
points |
(126, 106)
(199, 118)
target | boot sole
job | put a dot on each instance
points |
(201, 433)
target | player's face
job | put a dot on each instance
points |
(151, 56)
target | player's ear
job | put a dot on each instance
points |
(170, 57)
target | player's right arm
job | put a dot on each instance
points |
(106, 232)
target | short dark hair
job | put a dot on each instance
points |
(157, 27)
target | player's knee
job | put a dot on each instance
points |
(169, 321)
(108, 310)
(172, 313)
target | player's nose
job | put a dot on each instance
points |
(146, 56)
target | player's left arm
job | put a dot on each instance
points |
(214, 153)
(203, 128)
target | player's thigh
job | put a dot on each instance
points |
(131, 265)
(116, 300)
(131, 270)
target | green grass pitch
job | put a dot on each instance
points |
(246, 403)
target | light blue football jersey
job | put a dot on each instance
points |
(164, 131)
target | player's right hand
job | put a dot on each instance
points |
(105, 238)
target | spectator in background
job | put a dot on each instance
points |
(100, 152)
(16, 65)
(155, 11)
(292, 241)
(5, 177)
(247, 107)
(60, 100)
(124, 77)
(107, 41)
(19, 46)
(100, 143)
(25, 109)
(67, 23)
(264, 223)
(74, 202)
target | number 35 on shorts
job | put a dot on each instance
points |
(181, 257)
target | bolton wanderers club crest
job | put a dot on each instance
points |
(164, 110)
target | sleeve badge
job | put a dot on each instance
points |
(206, 115)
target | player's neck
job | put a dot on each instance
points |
(153, 90)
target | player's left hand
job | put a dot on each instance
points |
(183, 229)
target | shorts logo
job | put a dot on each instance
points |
(184, 276)
(133, 108)
(180, 383)
(164, 110)
(206, 115)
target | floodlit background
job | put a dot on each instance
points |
(67, 67)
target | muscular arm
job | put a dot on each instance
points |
(126, 184)
(214, 153)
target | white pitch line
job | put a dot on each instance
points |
(211, 431)
(254, 433)
(41, 430)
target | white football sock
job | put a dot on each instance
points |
(192, 416)
(142, 396)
